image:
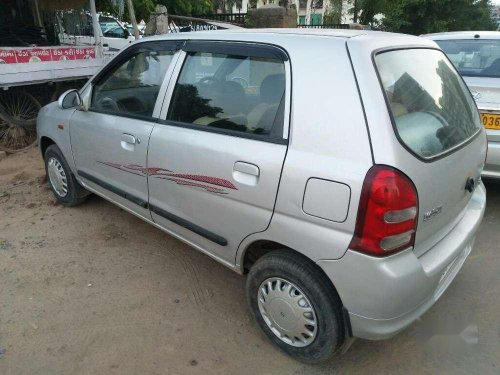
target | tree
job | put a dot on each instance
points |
(334, 14)
(187, 7)
(143, 9)
(106, 6)
(133, 20)
(428, 16)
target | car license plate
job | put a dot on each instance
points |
(490, 121)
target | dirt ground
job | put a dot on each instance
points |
(94, 290)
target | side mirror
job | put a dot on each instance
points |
(70, 99)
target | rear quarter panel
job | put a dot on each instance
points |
(328, 140)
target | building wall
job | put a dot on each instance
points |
(315, 15)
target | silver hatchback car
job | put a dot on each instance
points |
(339, 170)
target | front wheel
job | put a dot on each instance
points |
(62, 181)
(296, 306)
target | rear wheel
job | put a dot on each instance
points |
(61, 180)
(295, 306)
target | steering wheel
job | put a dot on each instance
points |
(108, 103)
(208, 79)
(242, 81)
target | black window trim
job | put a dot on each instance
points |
(224, 47)
(233, 133)
(393, 120)
(247, 49)
(166, 45)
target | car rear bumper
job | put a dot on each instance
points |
(385, 295)
(492, 167)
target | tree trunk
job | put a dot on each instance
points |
(308, 12)
(131, 14)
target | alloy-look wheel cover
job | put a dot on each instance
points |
(287, 312)
(57, 177)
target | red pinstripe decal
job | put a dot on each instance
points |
(179, 178)
(207, 179)
(121, 168)
(194, 184)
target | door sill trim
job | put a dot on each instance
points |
(189, 225)
(105, 185)
(169, 232)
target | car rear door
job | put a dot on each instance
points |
(110, 140)
(216, 157)
(431, 132)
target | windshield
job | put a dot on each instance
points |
(432, 108)
(108, 23)
(473, 57)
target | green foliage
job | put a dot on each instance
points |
(187, 7)
(427, 16)
(334, 14)
(143, 9)
(249, 21)
(106, 6)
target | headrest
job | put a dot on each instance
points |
(272, 88)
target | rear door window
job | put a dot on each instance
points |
(432, 109)
(237, 93)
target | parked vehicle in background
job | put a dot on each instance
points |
(351, 210)
(130, 29)
(36, 66)
(476, 54)
(75, 28)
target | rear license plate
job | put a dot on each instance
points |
(490, 121)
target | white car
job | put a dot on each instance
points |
(476, 55)
(130, 29)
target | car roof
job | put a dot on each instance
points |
(277, 36)
(295, 31)
(464, 35)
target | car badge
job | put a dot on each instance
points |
(434, 212)
(475, 94)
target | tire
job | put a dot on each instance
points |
(71, 193)
(318, 292)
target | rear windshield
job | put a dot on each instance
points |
(432, 109)
(474, 58)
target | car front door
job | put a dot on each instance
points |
(110, 139)
(215, 158)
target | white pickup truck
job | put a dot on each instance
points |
(115, 35)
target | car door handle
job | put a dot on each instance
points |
(246, 173)
(128, 142)
(128, 138)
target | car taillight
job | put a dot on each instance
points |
(387, 213)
